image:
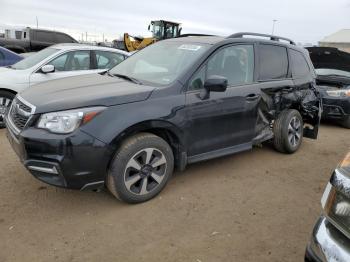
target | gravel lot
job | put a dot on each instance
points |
(254, 206)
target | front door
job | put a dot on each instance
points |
(72, 63)
(225, 120)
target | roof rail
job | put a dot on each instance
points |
(187, 35)
(272, 37)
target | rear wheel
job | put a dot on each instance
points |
(288, 131)
(5, 102)
(141, 168)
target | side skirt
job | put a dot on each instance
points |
(219, 153)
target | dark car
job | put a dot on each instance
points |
(173, 103)
(33, 40)
(8, 57)
(330, 240)
(333, 80)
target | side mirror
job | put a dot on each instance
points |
(213, 84)
(48, 69)
(149, 27)
(216, 84)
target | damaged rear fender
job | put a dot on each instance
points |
(273, 101)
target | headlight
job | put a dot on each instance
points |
(336, 198)
(337, 209)
(339, 93)
(65, 122)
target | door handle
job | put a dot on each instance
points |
(252, 97)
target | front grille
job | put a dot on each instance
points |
(19, 113)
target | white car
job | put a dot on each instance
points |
(57, 61)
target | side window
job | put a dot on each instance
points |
(72, 61)
(43, 36)
(62, 38)
(236, 63)
(80, 60)
(107, 60)
(300, 67)
(197, 81)
(60, 62)
(18, 34)
(273, 62)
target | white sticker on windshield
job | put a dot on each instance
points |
(190, 47)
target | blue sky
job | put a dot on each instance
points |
(305, 21)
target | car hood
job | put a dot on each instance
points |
(84, 91)
(329, 57)
(10, 77)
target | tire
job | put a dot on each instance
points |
(5, 101)
(288, 131)
(346, 122)
(141, 168)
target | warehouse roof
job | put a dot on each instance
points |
(342, 36)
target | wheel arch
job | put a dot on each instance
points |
(162, 128)
(8, 90)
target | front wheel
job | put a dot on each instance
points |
(288, 131)
(141, 168)
(5, 102)
(346, 122)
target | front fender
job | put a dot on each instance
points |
(118, 121)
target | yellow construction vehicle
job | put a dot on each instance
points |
(160, 29)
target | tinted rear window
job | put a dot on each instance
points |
(300, 67)
(62, 38)
(45, 36)
(273, 62)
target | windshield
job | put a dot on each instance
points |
(34, 59)
(327, 71)
(161, 63)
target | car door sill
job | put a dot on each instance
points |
(219, 152)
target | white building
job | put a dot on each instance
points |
(340, 40)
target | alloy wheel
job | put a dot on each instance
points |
(4, 105)
(294, 131)
(145, 171)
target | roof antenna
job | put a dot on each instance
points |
(273, 26)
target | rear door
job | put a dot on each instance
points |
(71, 63)
(274, 70)
(225, 121)
(106, 60)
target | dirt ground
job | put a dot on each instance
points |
(254, 206)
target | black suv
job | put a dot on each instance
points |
(176, 102)
(332, 67)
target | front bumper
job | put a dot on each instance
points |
(336, 107)
(327, 244)
(76, 161)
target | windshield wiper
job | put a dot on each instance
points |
(131, 79)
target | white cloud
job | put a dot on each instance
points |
(304, 21)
